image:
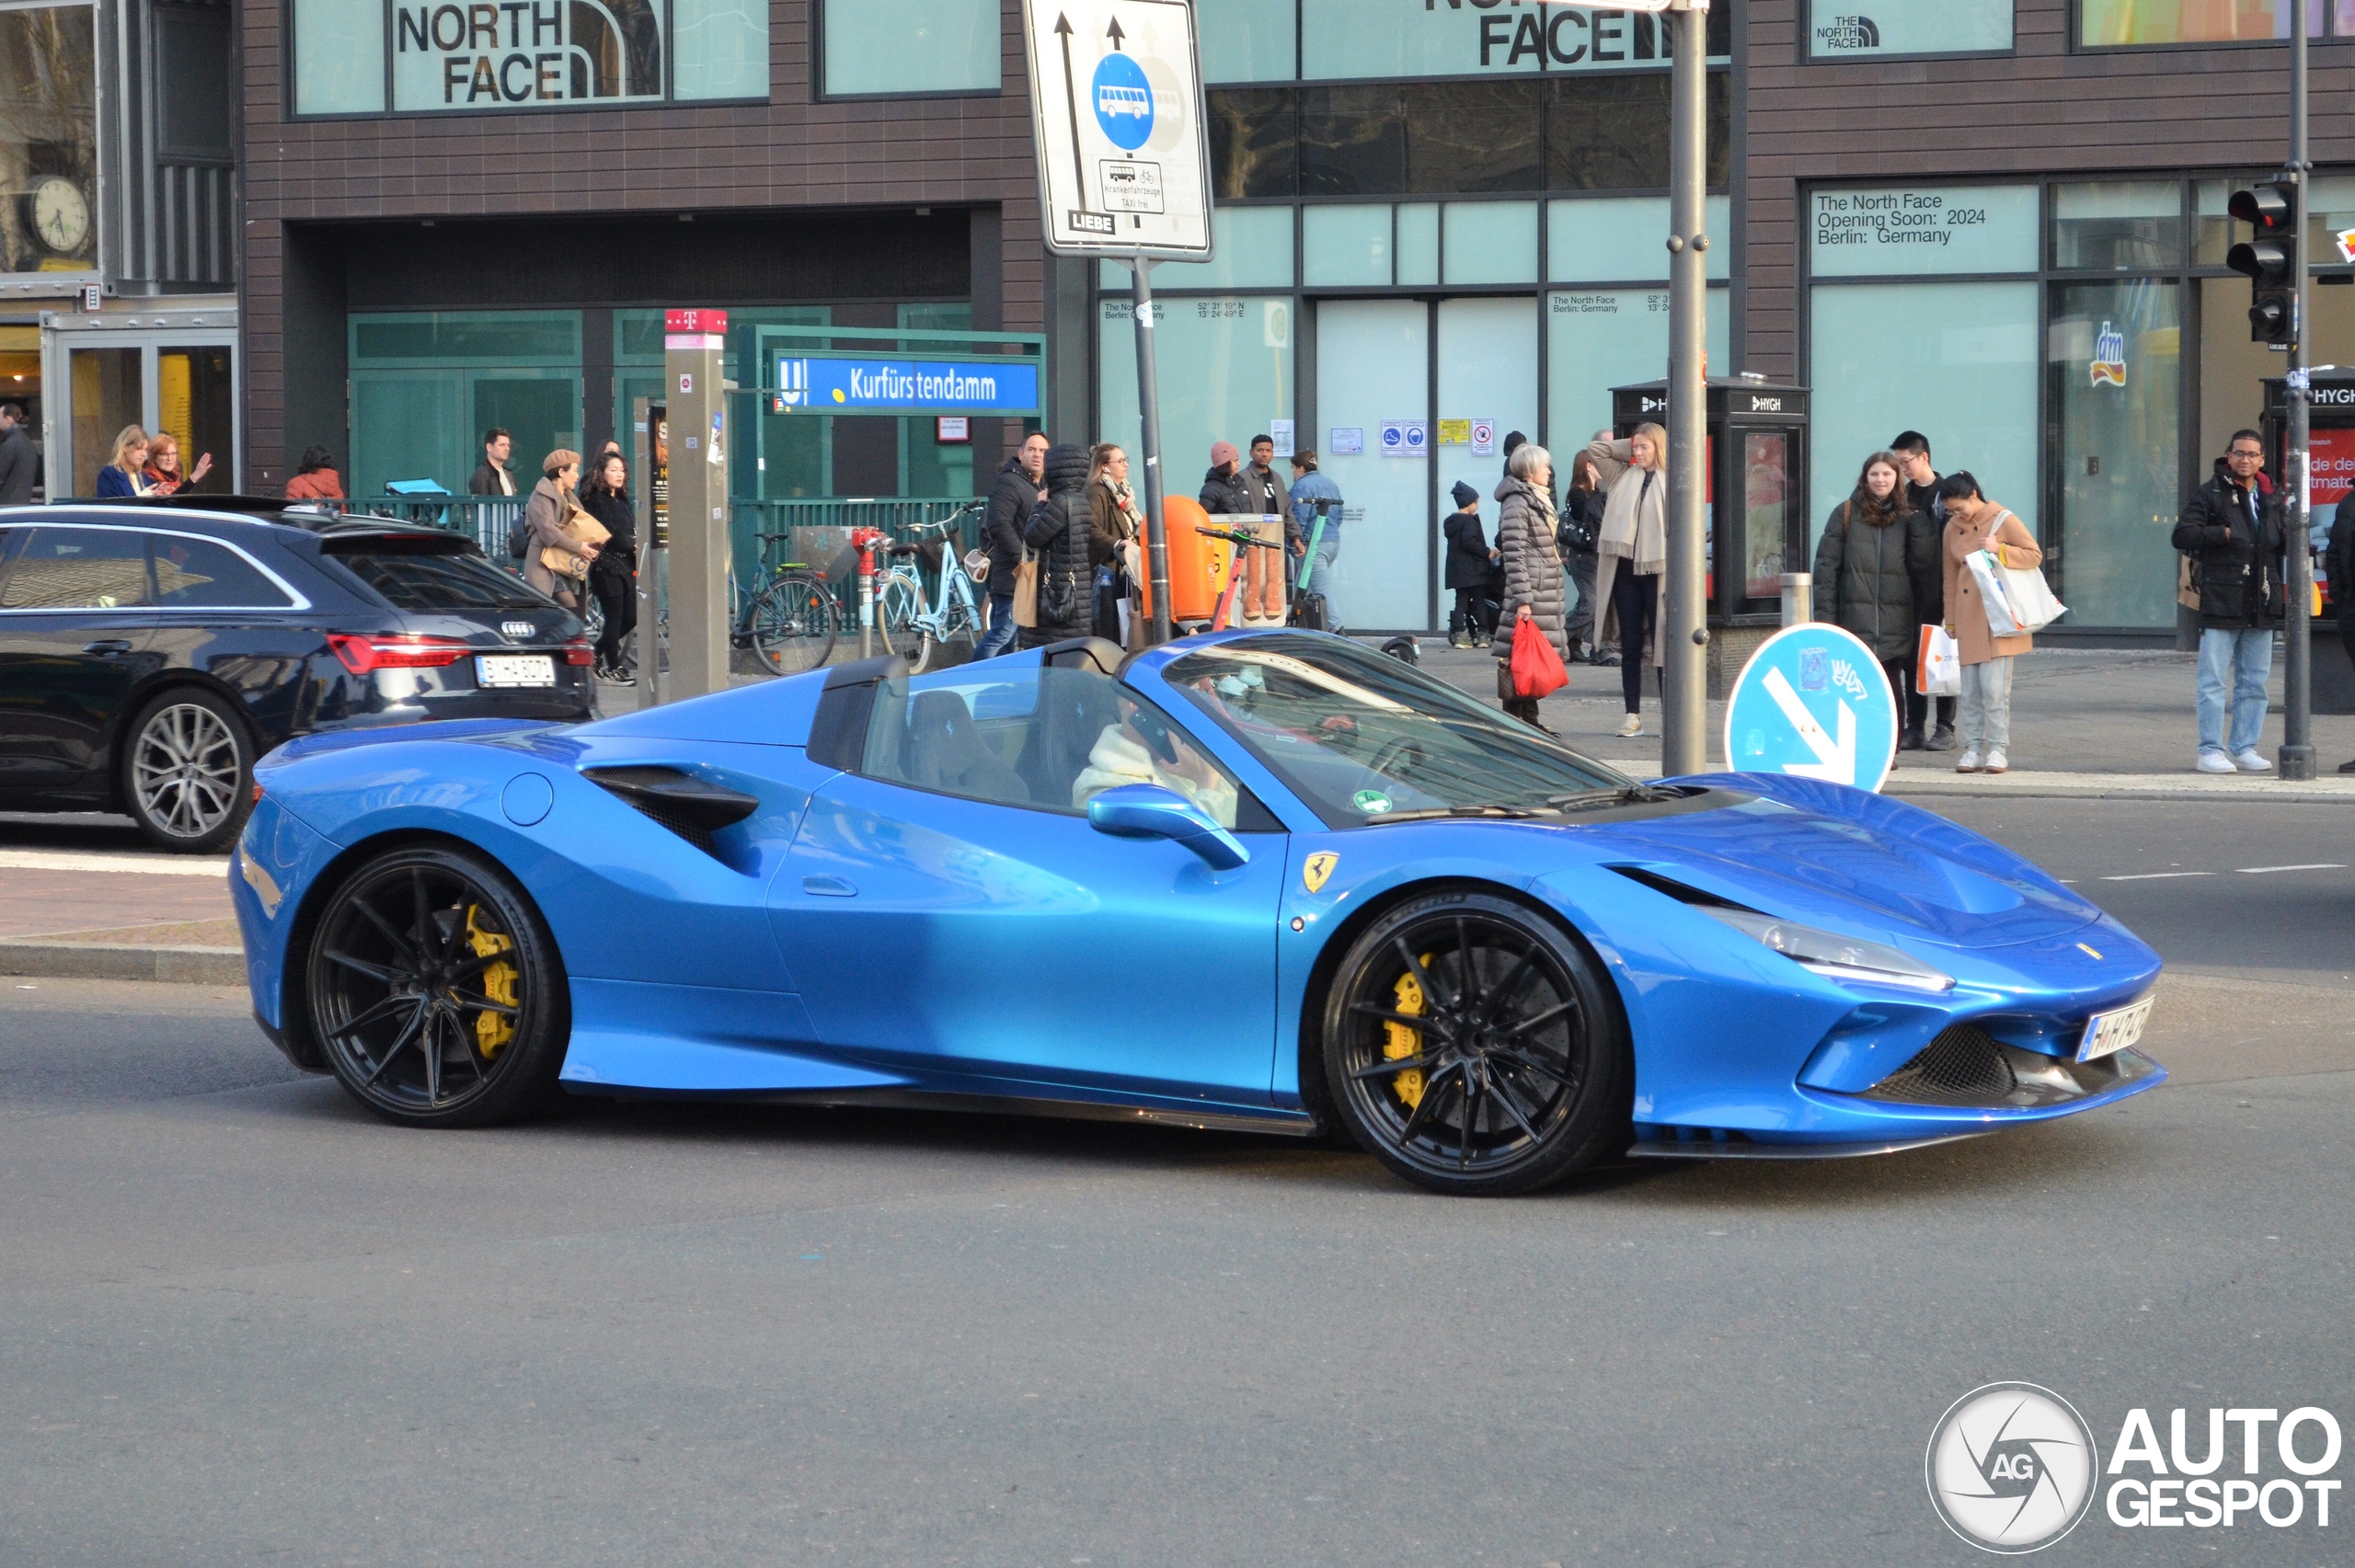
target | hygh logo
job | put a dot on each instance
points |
(2011, 1468)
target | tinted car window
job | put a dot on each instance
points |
(196, 573)
(411, 579)
(78, 568)
(1359, 736)
(1048, 739)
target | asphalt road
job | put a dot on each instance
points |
(240, 1320)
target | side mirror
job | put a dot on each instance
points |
(1149, 811)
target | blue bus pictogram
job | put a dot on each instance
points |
(1123, 101)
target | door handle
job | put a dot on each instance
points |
(106, 647)
(829, 887)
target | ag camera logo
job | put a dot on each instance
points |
(2011, 1468)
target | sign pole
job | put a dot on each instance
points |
(1156, 535)
(1685, 634)
(693, 366)
(2297, 755)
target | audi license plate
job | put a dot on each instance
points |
(2106, 1032)
(514, 670)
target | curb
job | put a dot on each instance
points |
(96, 961)
(2031, 788)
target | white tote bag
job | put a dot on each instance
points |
(1938, 670)
(2018, 598)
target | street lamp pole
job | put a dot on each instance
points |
(1684, 704)
(2297, 755)
(1684, 629)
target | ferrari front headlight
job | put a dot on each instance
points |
(1830, 955)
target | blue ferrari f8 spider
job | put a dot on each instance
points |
(1266, 880)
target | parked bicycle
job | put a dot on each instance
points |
(790, 623)
(908, 627)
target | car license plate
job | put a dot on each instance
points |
(514, 670)
(2107, 1033)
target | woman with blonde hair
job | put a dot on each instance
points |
(121, 479)
(1113, 510)
(1631, 557)
(547, 520)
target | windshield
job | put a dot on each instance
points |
(411, 579)
(1361, 737)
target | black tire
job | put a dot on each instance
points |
(1504, 1084)
(792, 625)
(188, 771)
(403, 991)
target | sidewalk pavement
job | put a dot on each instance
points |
(2086, 724)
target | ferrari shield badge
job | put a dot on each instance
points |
(1318, 868)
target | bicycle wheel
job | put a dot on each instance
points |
(897, 601)
(793, 626)
(955, 625)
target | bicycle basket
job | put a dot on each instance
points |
(977, 565)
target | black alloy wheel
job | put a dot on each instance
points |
(188, 771)
(1475, 1047)
(436, 992)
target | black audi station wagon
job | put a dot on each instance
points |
(150, 655)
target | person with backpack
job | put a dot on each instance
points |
(1063, 529)
(2234, 530)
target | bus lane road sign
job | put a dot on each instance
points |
(1813, 702)
(1115, 111)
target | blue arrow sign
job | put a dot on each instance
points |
(1814, 703)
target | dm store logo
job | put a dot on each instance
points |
(2011, 1468)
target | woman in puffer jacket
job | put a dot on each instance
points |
(1876, 552)
(1532, 562)
(1063, 529)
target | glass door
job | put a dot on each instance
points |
(1372, 399)
(2115, 356)
(196, 401)
(1487, 380)
(109, 393)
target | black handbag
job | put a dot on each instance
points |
(1058, 598)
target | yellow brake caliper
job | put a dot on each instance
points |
(1404, 1042)
(491, 1030)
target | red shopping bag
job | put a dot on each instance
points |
(1536, 668)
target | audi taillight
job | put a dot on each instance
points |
(579, 651)
(362, 654)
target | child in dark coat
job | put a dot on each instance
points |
(1473, 571)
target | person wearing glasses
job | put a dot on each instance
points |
(2232, 527)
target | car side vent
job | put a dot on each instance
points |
(681, 801)
(1670, 887)
(1964, 1066)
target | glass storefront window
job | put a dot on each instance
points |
(195, 395)
(1611, 132)
(1254, 142)
(1346, 246)
(1491, 242)
(2118, 225)
(911, 46)
(108, 391)
(1907, 230)
(1417, 243)
(1599, 338)
(339, 56)
(2112, 24)
(720, 48)
(1247, 41)
(1956, 362)
(1226, 375)
(1766, 505)
(2116, 366)
(1837, 29)
(1611, 239)
(1252, 248)
(48, 155)
(1469, 137)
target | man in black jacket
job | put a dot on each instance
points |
(1011, 498)
(1912, 450)
(492, 476)
(2232, 528)
(17, 458)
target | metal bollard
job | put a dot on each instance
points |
(1798, 598)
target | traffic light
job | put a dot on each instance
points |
(2270, 259)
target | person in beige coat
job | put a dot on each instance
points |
(1631, 557)
(544, 516)
(1974, 523)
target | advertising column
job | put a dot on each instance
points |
(692, 346)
